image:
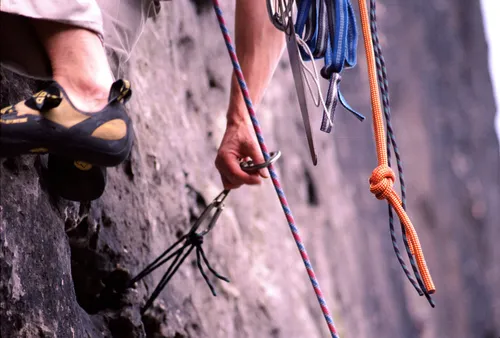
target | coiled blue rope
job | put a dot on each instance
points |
(329, 29)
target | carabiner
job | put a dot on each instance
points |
(249, 166)
(218, 204)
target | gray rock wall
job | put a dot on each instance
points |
(58, 257)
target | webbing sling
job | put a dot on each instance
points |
(329, 29)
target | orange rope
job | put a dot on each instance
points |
(383, 177)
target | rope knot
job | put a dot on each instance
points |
(195, 239)
(382, 181)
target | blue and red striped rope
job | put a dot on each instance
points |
(274, 175)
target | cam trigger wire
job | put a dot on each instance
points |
(185, 245)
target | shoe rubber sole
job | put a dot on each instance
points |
(62, 143)
(75, 180)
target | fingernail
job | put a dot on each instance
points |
(264, 173)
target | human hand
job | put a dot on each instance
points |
(239, 143)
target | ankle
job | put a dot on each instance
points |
(86, 94)
(79, 63)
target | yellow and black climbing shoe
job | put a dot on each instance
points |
(48, 122)
(74, 180)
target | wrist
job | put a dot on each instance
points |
(237, 113)
(236, 118)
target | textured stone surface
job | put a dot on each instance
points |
(58, 259)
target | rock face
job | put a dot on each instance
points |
(59, 259)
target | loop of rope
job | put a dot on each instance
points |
(329, 29)
(326, 30)
(274, 176)
(279, 12)
(382, 180)
(318, 99)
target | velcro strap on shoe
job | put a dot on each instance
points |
(45, 100)
(7, 110)
(120, 91)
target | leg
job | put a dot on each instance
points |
(79, 63)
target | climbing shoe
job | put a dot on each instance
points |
(48, 122)
(74, 180)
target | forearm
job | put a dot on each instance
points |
(259, 46)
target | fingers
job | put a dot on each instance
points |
(228, 185)
(239, 143)
(257, 157)
(232, 175)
